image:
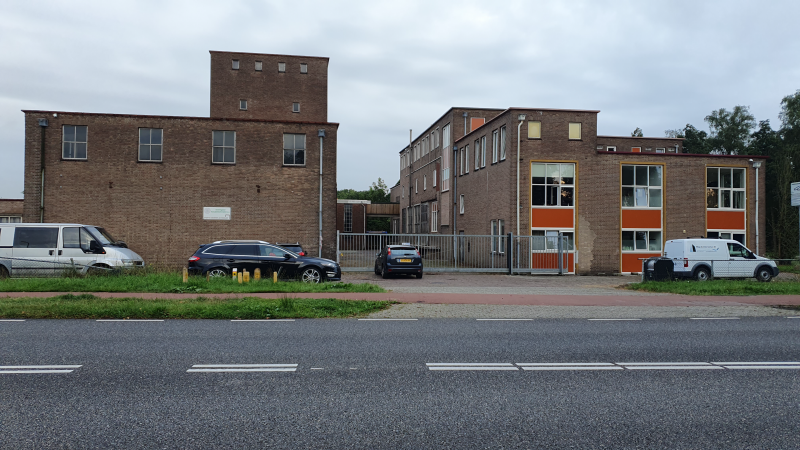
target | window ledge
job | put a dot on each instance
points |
(74, 159)
(149, 161)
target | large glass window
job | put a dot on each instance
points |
(645, 241)
(483, 151)
(551, 243)
(725, 188)
(150, 144)
(25, 237)
(642, 186)
(224, 147)
(477, 154)
(502, 143)
(294, 149)
(74, 140)
(348, 218)
(447, 154)
(552, 184)
(494, 146)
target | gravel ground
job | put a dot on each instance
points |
(456, 311)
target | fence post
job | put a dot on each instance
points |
(560, 253)
(338, 238)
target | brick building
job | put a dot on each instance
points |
(11, 210)
(617, 198)
(167, 184)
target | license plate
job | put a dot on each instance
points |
(404, 260)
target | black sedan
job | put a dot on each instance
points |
(221, 257)
(398, 259)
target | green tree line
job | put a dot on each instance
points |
(736, 132)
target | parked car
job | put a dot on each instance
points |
(296, 248)
(721, 258)
(398, 259)
(221, 257)
(48, 249)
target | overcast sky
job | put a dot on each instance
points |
(399, 65)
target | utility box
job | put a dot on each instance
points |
(657, 268)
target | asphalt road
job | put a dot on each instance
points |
(428, 383)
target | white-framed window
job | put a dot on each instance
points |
(10, 219)
(447, 154)
(303, 68)
(223, 150)
(502, 143)
(296, 107)
(348, 218)
(553, 184)
(416, 185)
(661, 150)
(494, 146)
(281, 67)
(501, 233)
(483, 151)
(150, 144)
(243, 105)
(259, 66)
(610, 148)
(551, 243)
(725, 188)
(424, 182)
(574, 131)
(294, 149)
(461, 204)
(433, 180)
(235, 64)
(74, 138)
(403, 190)
(642, 186)
(641, 240)
(461, 161)
(434, 217)
(477, 154)
(736, 235)
(466, 159)
(535, 130)
(493, 232)
(648, 149)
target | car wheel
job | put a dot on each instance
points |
(702, 274)
(384, 272)
(217, 272)
(98, 269)
(764, 274)
(311, 275)
(419, 275)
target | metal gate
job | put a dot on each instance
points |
(356, 252)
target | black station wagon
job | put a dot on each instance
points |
(398, 259)
(221, 257)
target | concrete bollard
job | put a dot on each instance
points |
(257, 274)
(185, 275)
(246, 276)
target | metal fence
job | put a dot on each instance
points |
(460, 253)
(36, 268)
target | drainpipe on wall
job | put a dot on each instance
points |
(756, 165)
(521, 119)
(455, 200)
(43, 125)
(321, 134)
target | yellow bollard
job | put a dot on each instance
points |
(185, 275)
(234, 274)
(240, 277)
(274, 277)
(246, 276)
(257, 274)
(208, 276)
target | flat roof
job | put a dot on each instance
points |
(144, 116)
(693, 155)
(640, 137)
(269, 54)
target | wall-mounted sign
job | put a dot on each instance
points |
(795, 194)
(216, 213)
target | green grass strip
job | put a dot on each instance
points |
(719, 287)
(173, 283)
(88, 306)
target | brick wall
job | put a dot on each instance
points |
(269, 93)
(11, 207)
(157, 208)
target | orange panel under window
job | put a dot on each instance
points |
(475, 123)
(636, 149)
(550, 261)
(641, 218)
(632, 263)
(725, 220)
(552, 218)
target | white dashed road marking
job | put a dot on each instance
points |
(130, 320)
(374, 320)
(38, 369)
(617, 366)
(612, 319)
(262, 320)
(569, 366)
(471, 366)
(12, 320)
(714, 318)
(243, 368)
(502, 319)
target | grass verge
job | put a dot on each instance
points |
(88, 306)
(794, 268)
(719, 287)
(172, 283)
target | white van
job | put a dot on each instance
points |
(47, 249)
(702, 259)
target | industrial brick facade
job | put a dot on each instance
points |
(597, 215)
(157, 207)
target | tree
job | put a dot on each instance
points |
(677, 133)
(637, 132)
(695, 141)
(782, 169)
(730, 130)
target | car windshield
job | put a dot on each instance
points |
(404, 251)
(101, 235)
